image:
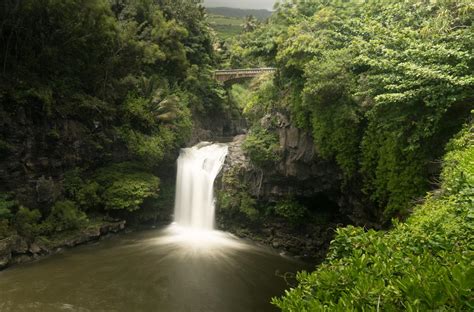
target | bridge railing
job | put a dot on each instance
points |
(229, 74)
(247, 71)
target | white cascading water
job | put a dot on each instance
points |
(198, 167)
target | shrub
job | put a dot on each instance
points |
(248, 206)
(6, 206)
(72, 181)
(88, 197)
(64, 216)
(235, 199)
(130, 192)
(126, 186)
(291, 210)
(262, 147)
(27, 222)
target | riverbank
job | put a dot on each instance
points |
(16, 249)
(308, 242)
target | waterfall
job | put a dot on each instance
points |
(198, 167)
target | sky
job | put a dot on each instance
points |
(241, 4)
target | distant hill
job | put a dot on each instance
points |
(241, 4)
(239, 13)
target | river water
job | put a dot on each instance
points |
(167, 269)
(187, 266)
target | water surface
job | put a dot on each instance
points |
(157, 270)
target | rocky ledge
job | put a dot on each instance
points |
(16, 249)
(307, 242)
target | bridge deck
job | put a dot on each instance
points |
(231, 74)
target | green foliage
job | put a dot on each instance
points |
(382, 86)
(64, 216)
(129, 192)
(291, 210)
(225, 27)
(235, 199)
(27, 222)
(120, 186)
(98, 77)
(72, 181)
(239, 13)
(240, 202)
(126, 186)
(261, 97)
(420, 265)
(157, 208)
(262, 146)
(6, 206)
(88, 197)
(112, 68)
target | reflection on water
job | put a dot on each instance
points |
(171, 269)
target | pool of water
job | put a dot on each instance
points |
(166, 269)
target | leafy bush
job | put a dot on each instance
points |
(424, 264)
(291, 210)
(238, 202)
(159, 207)
(6, 206)
(88, 197)
(27, 222)
(234, 198)
(72, 181)
(262, 146)
(64, 216)
(126, 186)
(130, 192)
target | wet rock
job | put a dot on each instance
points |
(34, 248)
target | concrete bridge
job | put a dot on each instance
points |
(234, 74)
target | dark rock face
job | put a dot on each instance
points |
(16, 249)
(216, 127)
(301, 175)
(38, 149)
(300, 172)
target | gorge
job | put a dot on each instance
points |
(347, 156)
(185, 266)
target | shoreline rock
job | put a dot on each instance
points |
(16, 249)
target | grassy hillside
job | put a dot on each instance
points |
(226, 27)
(227, 22)
(239, 13)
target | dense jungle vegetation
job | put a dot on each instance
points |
(106, 87)
(382, 86)
(97, 96)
